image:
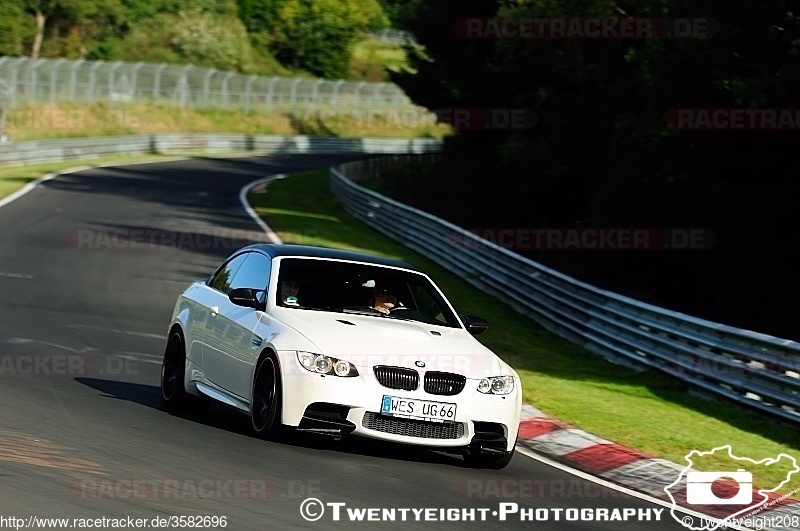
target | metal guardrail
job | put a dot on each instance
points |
(746, 367)
(82, 148)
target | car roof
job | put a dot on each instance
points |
(274, 250)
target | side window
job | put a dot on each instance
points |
(223, 277)
(254, 273)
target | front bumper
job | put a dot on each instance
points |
(331, 404)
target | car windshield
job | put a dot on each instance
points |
(382, 292)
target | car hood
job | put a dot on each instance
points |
(366, 341)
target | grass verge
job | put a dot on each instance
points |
(646, 411)
(69, 120)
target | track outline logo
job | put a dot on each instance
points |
(699, 488)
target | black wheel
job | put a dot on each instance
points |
(173, 392)
(266, 398)
(477, 459)
(172, 370)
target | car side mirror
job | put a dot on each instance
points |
(247, 297)
(475, 325)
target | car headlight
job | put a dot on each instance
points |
(496, 385)
(321, 364)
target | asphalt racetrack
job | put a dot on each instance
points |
(91, 264)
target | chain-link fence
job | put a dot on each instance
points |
(394, 36)
(25, 81)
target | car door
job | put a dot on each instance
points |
(195, 301)
(231, 348)
(209, 297)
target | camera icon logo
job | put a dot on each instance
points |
(699, 488)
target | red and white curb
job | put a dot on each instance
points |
(620, 465)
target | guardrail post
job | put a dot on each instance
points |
(92, 81)
(3, 137)
(73, 79)
(396, 100)
(112, 83)
(315, 92)
(335, 97)
(357, 95)
(54, 80)
(207, 85)
(157, 82)
(270, 92)
(248, 93)
(182, 90)
(293, 92)
(135, 78)
(14, 86)
(225, 89)
(34, 72)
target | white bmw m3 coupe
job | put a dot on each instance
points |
(336, 343)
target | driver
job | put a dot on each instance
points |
(383, 300)
(289, 291)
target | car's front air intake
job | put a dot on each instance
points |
(397, 377)
(413, 428)
(444, 383)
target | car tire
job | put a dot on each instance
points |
(477, 459)
(173, 392)
(266, 404)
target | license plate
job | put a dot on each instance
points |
(418, 409)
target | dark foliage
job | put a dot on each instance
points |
(603, 154)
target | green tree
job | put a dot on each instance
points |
(259, 15)
(312, 35)
(207, 39)
(602, 154)
(137, 11)
(15, 27)
(78, 19)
